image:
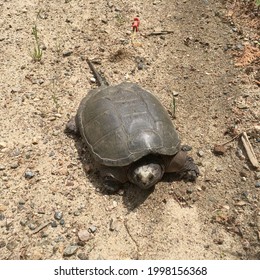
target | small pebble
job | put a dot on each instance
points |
(200, 153)
(140, 66)
(62, 222)
(92, 229)
(70, 250)
(92, 80)
(14, 165)
(257, 175)
(32, 226)
(58, 215)
(23, 223)
(44, 234)
(84, 235)
(21, 202)
(2, 217)
(175, 93)
(2, 145)
(67, 53)
(11, 245)
(257, 184)
(2, 244)
(76, 213)
(2, 167)
(219, 168)
(186, 148)
(243, 179)
(82, 256)
(29, 174)
(54, 224)
(219, 150)
(240, 155)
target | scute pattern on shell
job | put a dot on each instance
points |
(124, 123)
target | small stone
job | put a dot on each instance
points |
(14, 165)
(82, 256)
(54, 224)
(76, 213)
(257, 184)
(243, 179)
(53, 118)
(2, 244)
(84, 235)
(62, 222)
(186, 148)
(219, 241)
(200, 153)
(219, 168)
(113, 225)
(2, 145)
(2, 207)
(58, 215)
(219, 150)
(92, 80)
(67, 53)
(23, 223)
(44, 234)
(257, 175)
(2, 167)
(32, 226)
(241, 203)
(29, 174)
(240, 155)
(140, 66)
(70, 250)
(34, 141)
(21, 202)
(92, 229)
(175, 93)
(11, 245)
(2, 217)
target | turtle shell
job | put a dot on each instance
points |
(124, 123)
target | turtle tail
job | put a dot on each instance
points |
(101, 81)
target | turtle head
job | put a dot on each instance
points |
(145, 175)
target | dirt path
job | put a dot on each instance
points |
(41, 174)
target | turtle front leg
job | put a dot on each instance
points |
(190, 170)
(113, 177)
(184, 165)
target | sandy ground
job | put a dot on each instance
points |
(51, 201)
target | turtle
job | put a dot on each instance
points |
(130, 135)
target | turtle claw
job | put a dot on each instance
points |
(111, 186)
(191, 170)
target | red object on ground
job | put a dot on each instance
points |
(135, 24)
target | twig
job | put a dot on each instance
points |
(163, 32)
(135, 242)
(41, 227)
(177, 199)
(235, 137)
(249, 150)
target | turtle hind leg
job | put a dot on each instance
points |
(71, 127)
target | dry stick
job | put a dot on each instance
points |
(163, 32)
(225, 143)
(41, 227)
(135, 242)
(249, 150)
